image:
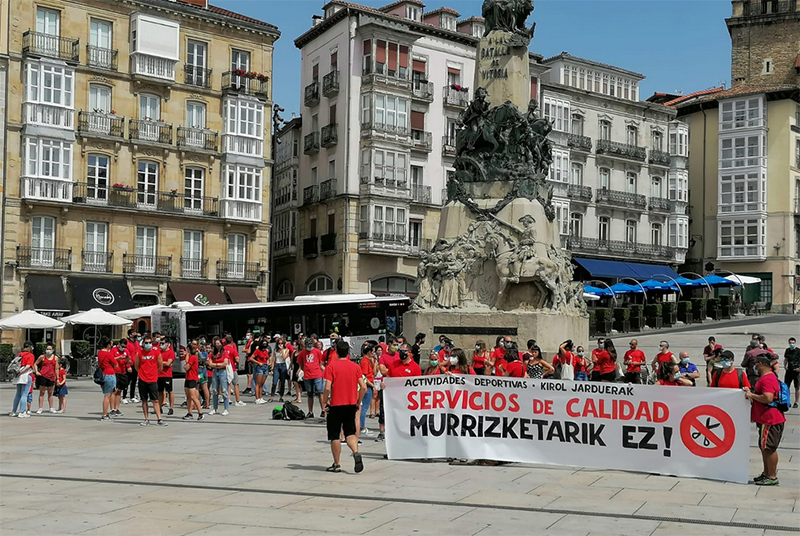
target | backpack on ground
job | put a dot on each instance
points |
(15, 365)
(717, 374)
(98, 376)
(782, 400)
(292, 412)
(277, 413)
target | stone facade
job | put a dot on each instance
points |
(144, 152)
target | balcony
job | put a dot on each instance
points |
(330, 84)
(380, 242)
(99, 124)
(621, 199)
(577, 192)
(311, 143)
(619, 248)
(327, 189)
(381, 79)
(310, 247)
(197, 139)
(287, 198)
(330, 135)
(328, 243)
(177, 203)
(243, 145)
(241, 209)
(659, 158)
(245, 85)
(57, 190)
(194, 75)
(289, 163)
(383, 183)
(659, 204)
(153, 67)
(620, 150)
(238, 271)
(312, 94)
(421, 140)
(448, 145)
(101, 58)
(421, 194)
(44, 258)
(51, 46)
(455, 98)
(370, 128)
(194, 268)
(97, 262)
(148, 265)
(47, 115)
(310, 194)
(422, 91)
(150, 131)
(579, 143)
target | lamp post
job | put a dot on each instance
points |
(680, 292)
(644, 290)
(613, 294)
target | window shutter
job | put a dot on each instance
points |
(404, 56)
(418, 66)
(315, 71)
(380, 53)
(534, 87)
(367, 47)
(334, 58)
(417, 120)
(392, 56)
(453, 70)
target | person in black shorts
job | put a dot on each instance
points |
(791, 361)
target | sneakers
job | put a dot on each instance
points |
(767, 481)
(39, 411)
(115, 413)
(224, 413)
(136, 400)
(126, 401)
(246, 391)
(12, 414)
(144, 423)
(760, 477)
(162, 423)
(201, 416)
(183, 404)
(212, 412)
(380, 438)
(105, 418)
(23, 415)
(794, 405)
(62, 411)
(359, 466)
(240, 404)
(187, 417)
(170, 412)
(52, 410)
(309, 415)
(365, 431)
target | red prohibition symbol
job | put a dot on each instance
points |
(703, 438)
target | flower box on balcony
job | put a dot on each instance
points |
(122, 188)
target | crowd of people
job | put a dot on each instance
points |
(346, 384)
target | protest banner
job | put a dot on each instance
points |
(680, 431)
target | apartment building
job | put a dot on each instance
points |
(619, 165)
(744, 157)
(382, 91)
(137, 151)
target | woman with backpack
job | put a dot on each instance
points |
(21, 367)
(46, 370)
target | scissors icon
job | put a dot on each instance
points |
(709, 426)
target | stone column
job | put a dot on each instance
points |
(503, 70)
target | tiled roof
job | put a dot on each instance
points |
(442, 10)
(400, 2)
(568, 56)
(738, 91)
(682, 98)
(471, 19)
(233, 15)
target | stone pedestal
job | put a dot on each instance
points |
(503, 70)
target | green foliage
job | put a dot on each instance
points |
(603, 314)
(713, 303)
(592, 316)
(637, 311)
(6, 352)
(622, 313)
(725, 300)
(80, 349)
(653, 310)
(668, 307)
(684, 307)
(699, 305)
(38, 349)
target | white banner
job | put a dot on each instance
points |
(682, 431)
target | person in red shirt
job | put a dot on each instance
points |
(233, 353)
(768, 418)
(329, 355)
(107, 365)
(595, 376)
(133, 349)
(565, 357)
(260, 365)
(248, 365)
(388, 359)
(728, 376)
(165, 373)
(515, 368)
(148, 363)
(479, 357)
(310, 360)
(121, 370)
(191, 365)
(217, 361)
(61, 387)
(606, 362)
(22, 381)
(633, 360)
(368, 367)
(670, 374)
(663, 356)
(459, 363)
(344, 390)
(46, 370)
(405, 367)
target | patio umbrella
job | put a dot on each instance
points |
(692, 283)
(624, 288)
(30, 320)
(652, 284)
(743, 279)
(716, 281)
(596, 291)
(97, 317)
(590, 297)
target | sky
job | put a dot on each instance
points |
(680, 46)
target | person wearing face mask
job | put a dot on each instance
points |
(580, 365)
(419, 340)
(663, 356)
(217, 361)
(791, 362)
(191, 366)
(446, 350)
(107, 365)
(687, 368)
(728, 376)
(248, 365)
(148, 363)
(260, 363)
(566, 360)
(165, 393)
(233, 357)
(768, 418)
(479, 357)
(595, 376)
(459, 363)
(310, 360)
(403, 366)
(671, 375)
(514, 368)
(607, 362)
(278, 363)
(368, 373)
(390, 357)
(133, 349)
(46, 370)
(123, 366)
(433, 364)
(633, 360)
(537, 367)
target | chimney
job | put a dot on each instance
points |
(315, 19)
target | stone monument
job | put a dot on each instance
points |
(497, 267)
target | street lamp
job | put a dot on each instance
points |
(613, 294)
(644, 290)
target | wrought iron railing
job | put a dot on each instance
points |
(310, 194)
(194, 268)
(455, 97)
(327, 189)
(100, 123)
(101, 57)
(44, 258)
(421, 194)
(312, 94)
(581, 143)
(233, 270)
(154, 265)
(180, 203)
(330, 83)
(197, 138)
(578, 192)
(195, 75)
(622, 150)
(422, 91)
(618, 247)
(660, 204)
(659, 158)
(622, 199)
(52, 46)
(330, 135)
(310, 247)
(148, 130)
(328, 243)
(449, 145)
(421, 140)
(311, 143)
(243, 84)
(97, 261)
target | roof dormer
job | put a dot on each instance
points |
(444, 18)
(407, 9)
(473, 26)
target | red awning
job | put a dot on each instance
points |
(241, 294)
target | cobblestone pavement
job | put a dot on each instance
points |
(246, 474)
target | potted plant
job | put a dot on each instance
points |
(725, 305)
(622, 317)
(6, 356)
(653, 314)
(637, 317)
(81, 361)
(119, 187)
(603, 320)
(685, 312)
(714, 308)
(699, 309)
(592, 323)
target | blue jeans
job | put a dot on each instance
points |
(314, 386)
(21, 396)
(219, 384)
(580, 376)
(279, 374)
(365, 402)
(109, 383)
(261, 370)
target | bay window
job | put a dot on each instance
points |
(557, 111)
(244, 118)
(559, 169)
(742, 192)
(385, 223)
(390, 59)
(742, 237)
(679, 185)
(741, 151)
(741, 113)
(678, 232)
(389, 113)
(562, 216)
(242, 183)
(387, 168)
(49, 159)
(49, 95)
